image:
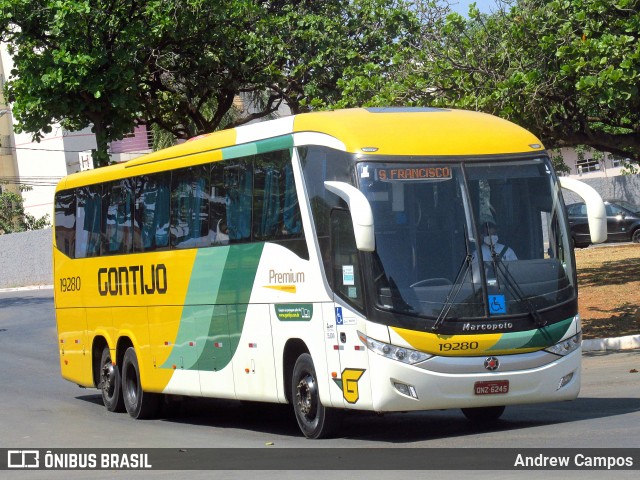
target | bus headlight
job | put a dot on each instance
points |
(565, 347)
(401, 354)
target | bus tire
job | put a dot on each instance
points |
(110, 383)
(483, 414)
(314, 419)
(139, 404)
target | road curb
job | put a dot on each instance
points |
(629, 342)
(32, 287)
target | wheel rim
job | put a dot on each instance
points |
(306, 397)
(107, 378)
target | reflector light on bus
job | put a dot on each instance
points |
(408, 390)
(565, 380)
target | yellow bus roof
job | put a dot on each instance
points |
(378, 131)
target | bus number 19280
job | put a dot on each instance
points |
(455, 346)
(70, 284)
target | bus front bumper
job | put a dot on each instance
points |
(400, 387)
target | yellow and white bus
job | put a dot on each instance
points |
(328, 260)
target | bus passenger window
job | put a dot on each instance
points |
(118, 221)
(238, 184)
(190, 207)
(151, 224)
(88, 221)
(65, 222)
(218, 230)
(276, 214)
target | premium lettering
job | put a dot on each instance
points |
(286, 277)
(133, 280)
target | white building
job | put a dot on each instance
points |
(591, 164)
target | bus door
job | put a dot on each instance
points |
(353, 377)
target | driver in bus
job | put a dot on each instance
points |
(489, 235)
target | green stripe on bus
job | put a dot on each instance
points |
(513, 340)
(539, 338)
(216, 306)
(269, 145)
(549, 335)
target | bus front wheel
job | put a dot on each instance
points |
(314, 419)
(483, 414)
(110, 383)
(139, 404)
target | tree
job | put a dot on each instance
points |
(12, 215)
(569, 70)
(200, 56)
(74, 64)
(110, 63)
(335, 53)
(178, 64)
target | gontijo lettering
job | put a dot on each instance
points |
(419, 173)
(132, 280)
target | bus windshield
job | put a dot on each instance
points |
(467, 239)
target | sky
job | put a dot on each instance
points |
(462, 6)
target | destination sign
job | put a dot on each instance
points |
(413, 173)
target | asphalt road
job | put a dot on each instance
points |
(41, 410)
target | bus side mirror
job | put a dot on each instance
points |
(596, 213)
(361, 214)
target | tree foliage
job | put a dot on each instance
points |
(76, 63)
(179, 64)
(12, 215)
(569, 70)
(322, 46)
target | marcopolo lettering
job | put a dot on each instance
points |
(133, 280)
(479, 327)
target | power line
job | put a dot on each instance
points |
(38, 181)
(63, 150)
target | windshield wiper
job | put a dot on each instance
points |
(512, 285)
(465, 267)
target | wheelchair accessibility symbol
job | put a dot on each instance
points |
(497, 304)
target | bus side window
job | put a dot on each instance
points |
(218, 231)
(238, 184)
(118, 220)
(88, 221)
(190, 189)
(65, 222)
(347, 281)
(276, 212)
(151, 224)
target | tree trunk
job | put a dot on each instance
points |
(100, 155)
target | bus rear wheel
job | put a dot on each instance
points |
(110, 383)
(483, 414)
(314, 419)
(139, 404)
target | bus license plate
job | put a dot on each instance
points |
(491, 387)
